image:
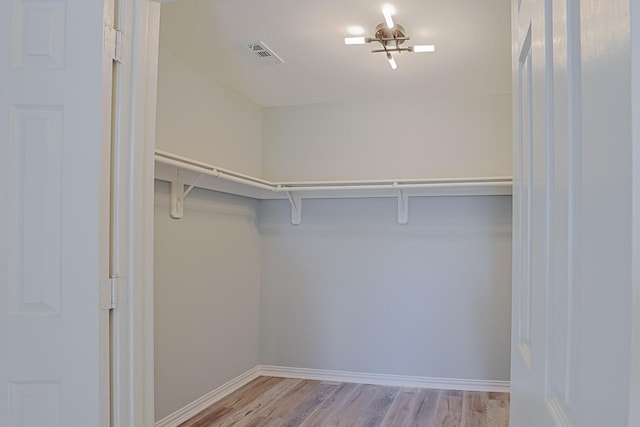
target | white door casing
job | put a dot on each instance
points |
(54, 219)
(132, 212)
(573, 176)
(634, 407)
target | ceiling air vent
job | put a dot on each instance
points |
(263, 52)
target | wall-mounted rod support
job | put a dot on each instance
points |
(296, 208)
(178, 193)
(403, 207)
(177, 196)
(195, 183)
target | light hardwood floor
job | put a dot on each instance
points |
(279, 402)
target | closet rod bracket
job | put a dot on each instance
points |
(296, 208)
(178, 193)
(403, 207)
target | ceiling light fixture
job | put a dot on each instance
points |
(391, 36)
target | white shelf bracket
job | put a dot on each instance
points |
(403, 208)
(178, 194)
(296, 208)
(188, 190)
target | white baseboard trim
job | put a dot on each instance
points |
(193, 408)
(198, 405)
(385, 379)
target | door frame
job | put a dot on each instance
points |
(634, 392)
(134, 97)
(133, 368)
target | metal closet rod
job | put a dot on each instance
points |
(203, 168)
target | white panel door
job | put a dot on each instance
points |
(572, 284)
(532, 116)
(54, 213)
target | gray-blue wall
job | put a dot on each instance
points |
(350, 289)
(236, 285)
(207, 295)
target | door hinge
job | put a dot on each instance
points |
(112, 43)
(113, 293)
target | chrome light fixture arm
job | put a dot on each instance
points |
(391, 36)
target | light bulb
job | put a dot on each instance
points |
(392, 61)
(354, 40)
(388, 10)
(423, 48)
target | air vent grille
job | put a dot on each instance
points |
(262, 51)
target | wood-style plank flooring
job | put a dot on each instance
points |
(280, 402)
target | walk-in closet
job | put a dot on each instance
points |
(320, 214)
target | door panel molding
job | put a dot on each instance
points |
(39, 32)
(36, 149)
(522, 195)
